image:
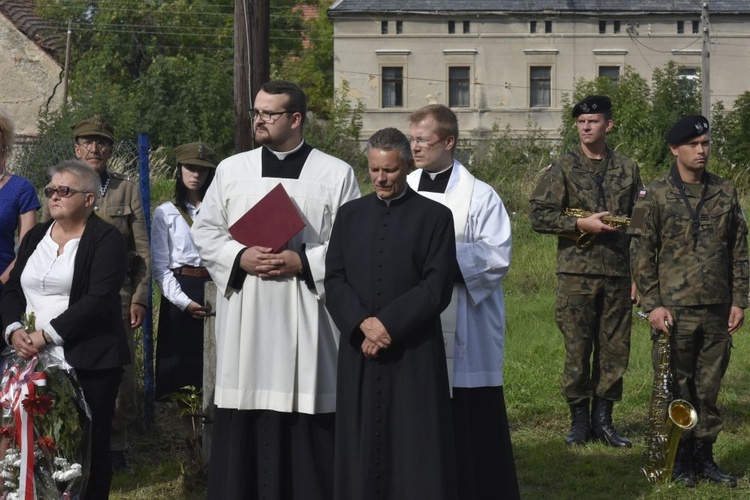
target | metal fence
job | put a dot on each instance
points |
(31, 157)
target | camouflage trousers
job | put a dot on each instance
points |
(593, 314)
(699, 358)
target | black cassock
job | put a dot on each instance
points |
(394, 430)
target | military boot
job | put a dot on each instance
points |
(580, 431)
(684, 469)
(705, 466)
(601, 425)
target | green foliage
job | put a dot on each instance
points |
(338, 135)
(641, 113)
(189, 400)
(510, 163)
(312, 68)
(166, 67)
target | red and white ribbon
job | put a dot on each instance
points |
(17, 385)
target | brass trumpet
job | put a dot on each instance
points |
(583, 239)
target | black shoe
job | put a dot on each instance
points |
(684, 470)
(706, 468)
(120, 463)
(601, 425)
(580, 431)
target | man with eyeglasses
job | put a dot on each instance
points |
(119, 203)
(474, 322)
(276, 346)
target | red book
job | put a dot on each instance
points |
(271, 222)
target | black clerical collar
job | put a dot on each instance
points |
(435, 183)
(388, 201)
(290, 167)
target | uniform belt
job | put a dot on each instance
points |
(197, 272)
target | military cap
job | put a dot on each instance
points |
(96, 125)
(591, 105)
(687, 128)
(195, 153)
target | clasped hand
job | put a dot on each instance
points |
(27, 344)
(376, 337)
(260, 262)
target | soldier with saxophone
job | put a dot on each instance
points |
(594, 293)
(690, 264)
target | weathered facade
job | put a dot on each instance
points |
(511, 62)
(31, 75)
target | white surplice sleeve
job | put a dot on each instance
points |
(486, 260)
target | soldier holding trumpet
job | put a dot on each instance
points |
(594, 294)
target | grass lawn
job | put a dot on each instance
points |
(538, 414)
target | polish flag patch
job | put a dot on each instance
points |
(641, 194)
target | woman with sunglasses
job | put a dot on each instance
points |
(180, 274)
(18, 203)
(68, 273)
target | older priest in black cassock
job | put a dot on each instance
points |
(389, 273)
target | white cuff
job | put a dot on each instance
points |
(50, 330)
(11, 328)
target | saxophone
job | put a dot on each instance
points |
(584, 240)
(666, 421)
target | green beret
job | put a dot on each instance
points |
(687, 128)
(195, 153)
(591, 105)
(96, 125)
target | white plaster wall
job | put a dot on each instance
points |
(28, 76)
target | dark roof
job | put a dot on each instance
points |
(21, 14)
(504, 7)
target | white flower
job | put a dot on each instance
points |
(62, 476)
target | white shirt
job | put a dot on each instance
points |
(172, 247)
(483, 255)
(46, 281)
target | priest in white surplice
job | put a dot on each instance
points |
(474, 323)
(276, 345)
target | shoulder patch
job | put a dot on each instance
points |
(642, 194)
(638, 218)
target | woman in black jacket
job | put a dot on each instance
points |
(68, 272)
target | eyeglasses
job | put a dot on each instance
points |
(422, 142)
(267, 116)
(100, 143)
(62, 191)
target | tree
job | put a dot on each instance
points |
(165, 67)
(312, 69)
(642, 114)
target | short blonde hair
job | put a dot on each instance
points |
(6, 128)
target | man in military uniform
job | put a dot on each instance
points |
(594, 291)
(120, 205)
(690, 263)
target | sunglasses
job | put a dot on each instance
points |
(62, 191)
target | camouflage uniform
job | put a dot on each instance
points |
(697, 278)
(593, 295)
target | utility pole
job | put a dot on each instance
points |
(705, 62)
(252, 21)
(66, 72)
